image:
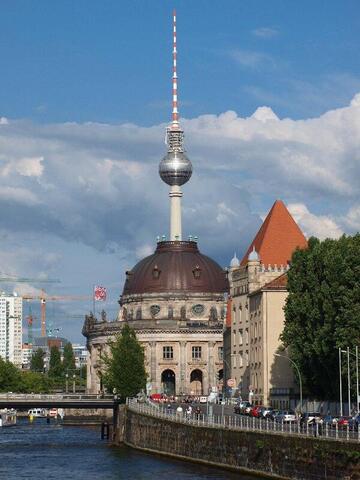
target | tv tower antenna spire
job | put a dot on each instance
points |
(175, 168)
(175, 113)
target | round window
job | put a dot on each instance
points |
(154, 310)
(198, 309)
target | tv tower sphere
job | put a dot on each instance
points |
(175, 168)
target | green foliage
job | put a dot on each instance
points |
(14, 380)
(55, 365)
(37, 360)
(323, 310)
(35, 382)
(10, 377)
(68, 358)
(124, 368)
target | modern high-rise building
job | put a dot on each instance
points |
(258, 293)
(11, 328)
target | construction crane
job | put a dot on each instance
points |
(10, 278)
(44, 297)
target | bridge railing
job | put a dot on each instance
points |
(245, 423)
(53, 396)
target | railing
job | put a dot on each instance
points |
(245, 423)
(56, 396)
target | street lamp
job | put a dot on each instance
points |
(74, 377)
(66, 382)
(340, 384)
(356, 355)
(299, 374)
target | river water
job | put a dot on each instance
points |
(55, 452)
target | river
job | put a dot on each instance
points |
(55, 452)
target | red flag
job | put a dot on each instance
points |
(99, 293)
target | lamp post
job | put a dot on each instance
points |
(340, 384)
(74, 377)
(356, 355)
(66, 383)
(357, 378)
(299, 374)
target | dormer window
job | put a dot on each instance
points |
(197, 272)
(156, 273)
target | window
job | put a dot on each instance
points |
(196, 352)
(221, 353)
(240, 336)
(168, 353)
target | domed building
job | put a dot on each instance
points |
(174, 299)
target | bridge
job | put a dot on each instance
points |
(27, 401)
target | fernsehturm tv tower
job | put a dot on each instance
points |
(175, 168)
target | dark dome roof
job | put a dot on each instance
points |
(176, 267)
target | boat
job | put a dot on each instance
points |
(37, 413)
(7, 417)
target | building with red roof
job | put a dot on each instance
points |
(258, 289)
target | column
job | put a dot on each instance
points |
(182, 371)
(175, 213)
(211, 373)
(153, 376)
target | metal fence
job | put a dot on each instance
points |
(56, 396)
(246, 423)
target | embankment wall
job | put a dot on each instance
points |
(264, 454)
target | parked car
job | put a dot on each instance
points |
(354, 423)
(286, 416)
(310, 417)
(272, 414)
(241, 407)
(256, 411)
(265, 412)
(330, 420)
(344, 421)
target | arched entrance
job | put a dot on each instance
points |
(168, 382)
(221, 375)
(196, 382)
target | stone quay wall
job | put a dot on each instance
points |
(264, 454)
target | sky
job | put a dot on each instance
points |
(269, 100)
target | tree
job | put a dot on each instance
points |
(55, 365)
(322, 311)
(10, 377)
(124, 368)
(68, 358)
(35, 382)
(37, 360)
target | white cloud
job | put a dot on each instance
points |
(320, 226)
(352, 219)
(19, 195)
(144, 250)
(265, 32)
(4, 121)
(251, 59)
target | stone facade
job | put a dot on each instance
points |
(254, 330)
(183, 351)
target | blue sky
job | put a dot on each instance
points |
(109, 61)
(270, 103)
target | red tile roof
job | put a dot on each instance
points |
(279, 283)
(277, 238)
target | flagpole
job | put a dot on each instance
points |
(93, 294)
